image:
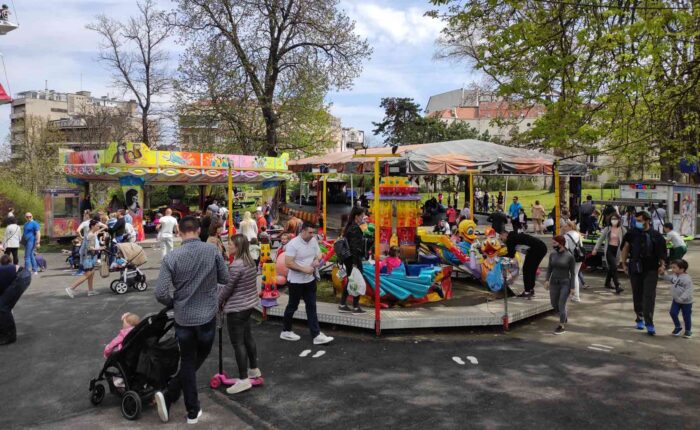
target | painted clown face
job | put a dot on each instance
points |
(467, 230)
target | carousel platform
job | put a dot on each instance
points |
(435, 315)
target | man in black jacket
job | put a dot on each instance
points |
(536, 251)
(646, 249)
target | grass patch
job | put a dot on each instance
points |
(325, 291)
(527, 197)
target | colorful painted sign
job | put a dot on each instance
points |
(136, 159)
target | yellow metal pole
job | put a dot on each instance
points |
(377, 304)
(230, 202)
(325, 207)
(471, 197)
(557, 200)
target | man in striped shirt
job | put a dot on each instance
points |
(188, 281)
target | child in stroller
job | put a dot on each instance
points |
(73, 258)
(129, 321)
(129, 258)
(145, 363)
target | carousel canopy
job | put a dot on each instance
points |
(169, 167)
(452, 157)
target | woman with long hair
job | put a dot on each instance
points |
(353, 234)
(610, 240)
(238, 299)
(249, 228)
(215, 230)
(560, 280)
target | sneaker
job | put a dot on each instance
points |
(610, 287)
(290, 336)
(35, 273)
(344, 309)
(560, 330)
(575, 299)
(195, 419)
(650, 330)
(524, 294)
(240, 386)
(677, 331)
(162, 406)
(79, 273)
(688, 334)
(70, 293)
(254, 373)
(322, 339)
(618, 290)
(358, 311)
(640, 325)
(93, 293)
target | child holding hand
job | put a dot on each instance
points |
(682, 292)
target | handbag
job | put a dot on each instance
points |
(341, 247)
(579, 252)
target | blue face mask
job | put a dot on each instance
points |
(638, 225)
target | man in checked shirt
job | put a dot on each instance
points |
(188, 281)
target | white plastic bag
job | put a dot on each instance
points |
(356, 283)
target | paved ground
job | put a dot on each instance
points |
(601, 373)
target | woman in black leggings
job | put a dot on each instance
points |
(611, 237)
(238, 299)
(353, 233)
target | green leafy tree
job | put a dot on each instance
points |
(37, 152)
(615, 77)
(403, 125)
(258, 66)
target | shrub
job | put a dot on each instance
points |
(13, 196)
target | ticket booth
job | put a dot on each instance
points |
(61, 212)
(681, 202)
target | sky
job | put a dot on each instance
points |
(52, 44)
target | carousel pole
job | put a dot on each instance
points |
(375, 217)
(325, 207)
(231, 228)
(472, 208)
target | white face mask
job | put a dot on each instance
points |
(614, 222)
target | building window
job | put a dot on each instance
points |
(592, 159)
(58, 110)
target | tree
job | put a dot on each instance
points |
(273, 56)
(615, 77)
(399, 114)
(134, 52)
(33, 169)
(403, 125)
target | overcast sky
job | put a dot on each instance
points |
(52, 44)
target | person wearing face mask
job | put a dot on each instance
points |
(610, 239)
(646, 249)
(561, 275)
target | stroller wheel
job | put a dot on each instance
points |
(121, 287)
(131, 405)
(97, 394)
(141, 285)
(113, 284)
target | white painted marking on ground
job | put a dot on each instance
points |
(305, 352)
(318, 354)
(458, 360)
(602, 346)
(472, 359)
(595, 348)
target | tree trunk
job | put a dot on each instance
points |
(270, 131)
(144, 126)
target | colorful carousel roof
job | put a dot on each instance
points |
(169, 167)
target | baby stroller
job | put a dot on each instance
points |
(145, 364)
(73, 258)
(129, 273)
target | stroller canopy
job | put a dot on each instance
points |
(133, 253)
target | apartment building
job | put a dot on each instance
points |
(79, 115)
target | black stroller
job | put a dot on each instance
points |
(145, 363)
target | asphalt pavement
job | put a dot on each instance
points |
(600, 374)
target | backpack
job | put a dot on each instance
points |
(342, 249)
(579, 252)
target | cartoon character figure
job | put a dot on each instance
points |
(120, 155)
(269, 292)
(174, 157)
(467, 230)
(686, 227)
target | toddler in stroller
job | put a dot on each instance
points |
(73, 258)
(129, 321)
(146, 361)
(130, 256)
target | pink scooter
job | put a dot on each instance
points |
(221, 377)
